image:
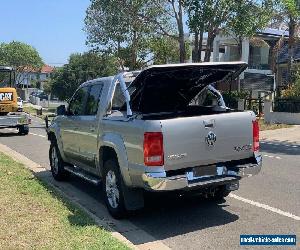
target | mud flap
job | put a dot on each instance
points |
(133, 198)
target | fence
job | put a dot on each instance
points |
(287, 105)
(256, 105)
(279, 117)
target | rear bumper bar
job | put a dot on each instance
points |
(160, 182)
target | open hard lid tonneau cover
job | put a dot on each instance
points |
(172, 86)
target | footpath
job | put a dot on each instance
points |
(287, 135)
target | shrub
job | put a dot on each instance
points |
(231, 97)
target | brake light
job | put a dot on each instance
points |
(153, 149)
(255, 127)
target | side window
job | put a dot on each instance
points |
(77, 104)
(118, 99)
(93, 99)
(205, 98)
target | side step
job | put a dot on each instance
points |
(83, 175)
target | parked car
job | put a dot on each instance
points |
(20, 104)
(32, 96)
(166, 129)
(42, 96)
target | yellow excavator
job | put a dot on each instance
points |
(10, 115)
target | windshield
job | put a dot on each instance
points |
(5, 79)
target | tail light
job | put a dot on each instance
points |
(255, 127)
(153, 149)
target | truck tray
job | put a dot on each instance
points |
(14, 119)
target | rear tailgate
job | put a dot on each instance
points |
(203, 140)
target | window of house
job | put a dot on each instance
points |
(93, 99)
(77, 104)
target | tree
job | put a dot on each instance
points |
(247, 18)
(80, 68)
(165, 50)
(170, 14)
(291, 10)
(113, 26)
(23, 57)
(207, 16)
(197, 20)
(116, 26)
(219, 11)
(177, 9)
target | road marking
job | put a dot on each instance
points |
(43, 136)
(280, 144)
(38, 135)
(266, 207)
(272, 156)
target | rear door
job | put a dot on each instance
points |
(208, 139)
(88, 126)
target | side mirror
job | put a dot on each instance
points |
(61, 110)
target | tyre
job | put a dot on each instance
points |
(56, 163)
(23, 130)
(220, 193)
(113, 189)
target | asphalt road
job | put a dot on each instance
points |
(268, 203)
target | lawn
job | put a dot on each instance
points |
(33, 216)
(271, 126)
(32, 111)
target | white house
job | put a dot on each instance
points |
(28, 77)
(258, 77)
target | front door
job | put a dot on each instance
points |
(70, 126)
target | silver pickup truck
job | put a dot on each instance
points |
(165, 128)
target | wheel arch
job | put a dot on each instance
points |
(52, 137)
(113, 147)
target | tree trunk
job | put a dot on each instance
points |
(121, 62)
(240, 48)
(240, 51)
(181, 32)
(134, 51)
(195, 54)
(209, 45)
(291, 44)
(200, 45)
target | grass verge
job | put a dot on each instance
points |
(271, 126)
(33, 216)
(32, 111)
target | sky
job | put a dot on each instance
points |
(53, 27)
